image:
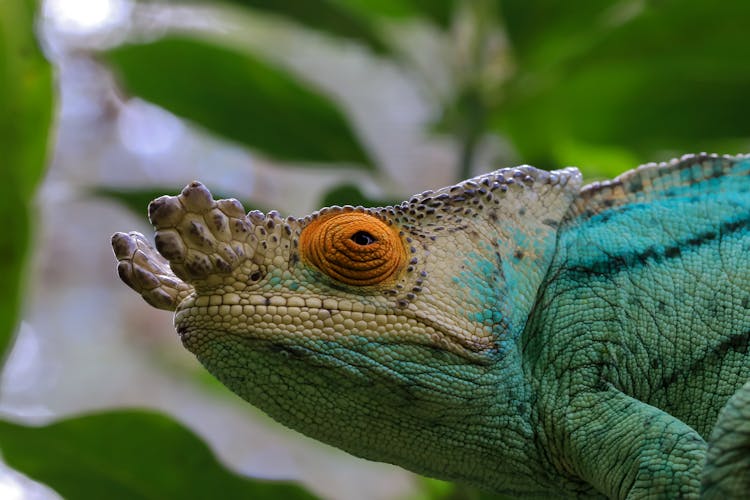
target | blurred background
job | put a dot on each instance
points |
(286, 105)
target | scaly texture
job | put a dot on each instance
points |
(514, 331)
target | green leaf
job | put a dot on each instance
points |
(239, 97)
(330, 16)
(137, 199)
(356, 19)
(670, 78)
(25, 118)
(434, 489)
(350, 194)
(546, 32)
(439, 12)
(129, 455)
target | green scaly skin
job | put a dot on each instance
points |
(537, 338)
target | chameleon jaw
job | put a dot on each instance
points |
(288, 319)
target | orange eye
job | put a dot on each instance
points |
(354, 248)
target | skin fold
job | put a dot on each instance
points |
(515, 331)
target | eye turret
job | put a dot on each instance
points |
(354, 248)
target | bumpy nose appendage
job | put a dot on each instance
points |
(198, 240)
(201, 237)
(147, 272)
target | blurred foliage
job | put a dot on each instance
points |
(605, 85)
(133, 199)
(326, 15)
(633, 78)
(433, 489)
(439, 12)
(25, 118)
(137, 199)
(358, 20)
(350, 194)
(129, 455)
(602, 84)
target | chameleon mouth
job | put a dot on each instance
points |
(294, 318)
(472, 347)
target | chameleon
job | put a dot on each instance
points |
(517, 331)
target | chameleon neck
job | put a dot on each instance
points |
(670, 266)
(640, 279)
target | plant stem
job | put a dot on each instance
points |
(472, 106)
(473, 114)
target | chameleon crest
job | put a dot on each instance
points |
(464, 333)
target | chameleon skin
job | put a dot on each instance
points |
(645, 306)
(514, 331)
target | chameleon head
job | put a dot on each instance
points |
(375, 330)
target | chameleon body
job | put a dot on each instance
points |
(515, 331)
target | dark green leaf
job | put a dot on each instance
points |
(546, 32)
(331, 16)
(349, 194)
(129, 455)
(25, 118)
(137, 199)
(673, 77)
(356, 19)
(239, 97)
(440, 490)
(439, 12)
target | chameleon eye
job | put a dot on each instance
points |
(353, 248)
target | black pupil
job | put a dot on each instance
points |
(363, 238)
